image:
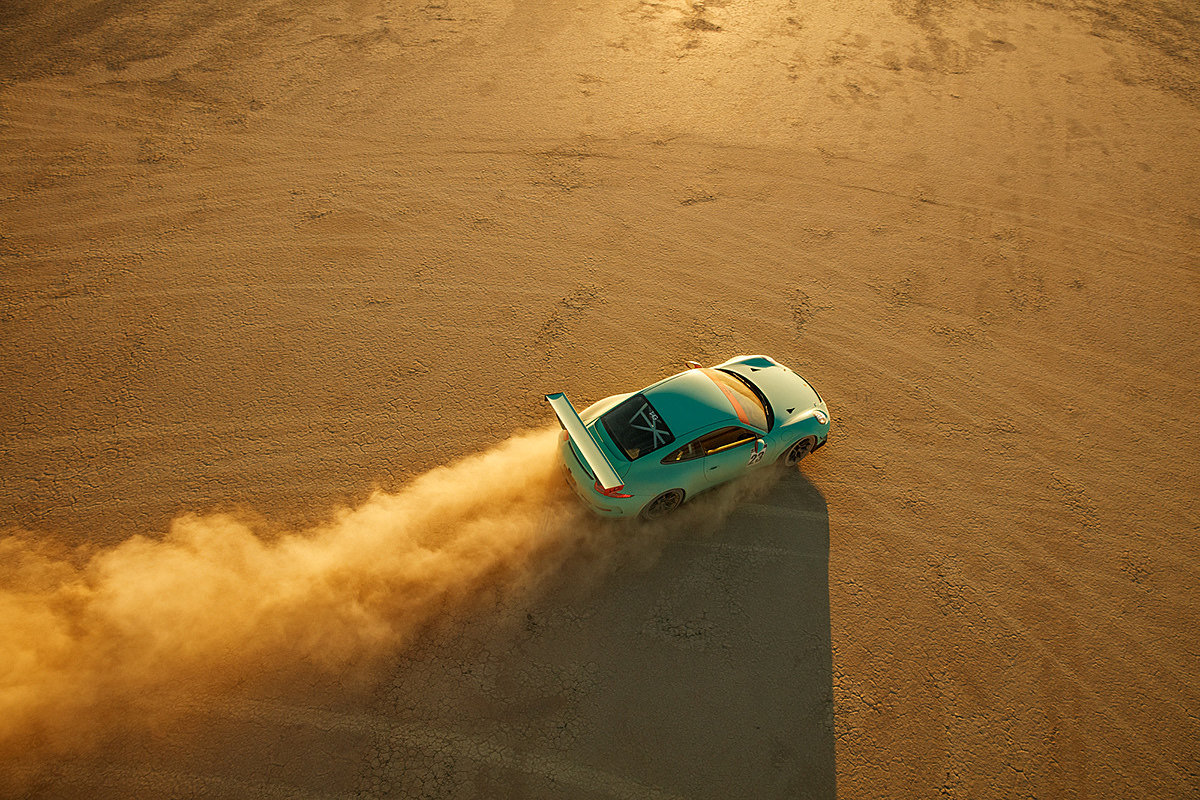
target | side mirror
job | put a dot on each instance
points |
(691, 365)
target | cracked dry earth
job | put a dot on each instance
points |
(270, 256)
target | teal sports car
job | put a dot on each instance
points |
(646, 453)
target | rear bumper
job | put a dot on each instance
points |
(581, 483)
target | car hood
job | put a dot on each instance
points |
(784, 389)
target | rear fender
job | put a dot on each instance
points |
(588, 448)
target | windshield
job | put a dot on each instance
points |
(750, 407)
(636, 427)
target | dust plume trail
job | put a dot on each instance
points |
(92, 642)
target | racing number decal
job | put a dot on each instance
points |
(756, 457)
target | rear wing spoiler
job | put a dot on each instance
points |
(588, 447)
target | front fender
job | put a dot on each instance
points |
(796, 428)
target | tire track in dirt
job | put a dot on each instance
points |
(917, 200)
(445, 743)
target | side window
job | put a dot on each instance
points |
(686, 453)
(710, 443)
(725, 439)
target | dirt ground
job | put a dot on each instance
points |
(272, 257)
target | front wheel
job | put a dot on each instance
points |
(663, 505)
(796, 453)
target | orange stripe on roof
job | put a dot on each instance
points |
(733, 398)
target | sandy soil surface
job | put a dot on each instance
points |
(272, 257)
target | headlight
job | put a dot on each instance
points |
(821, 416)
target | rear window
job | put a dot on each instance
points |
(636, 427)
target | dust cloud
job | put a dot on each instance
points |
(93, 641)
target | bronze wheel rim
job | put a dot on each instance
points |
(798, 451)
(664, 504)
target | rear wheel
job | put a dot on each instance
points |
(796, 453)
(663, 505)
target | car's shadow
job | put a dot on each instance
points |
(705, 672)
(724, 689)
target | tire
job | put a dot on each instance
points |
(796, 453)
(663, 505)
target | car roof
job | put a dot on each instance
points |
(689, 401)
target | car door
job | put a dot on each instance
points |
(683, 468)
(728, 453)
